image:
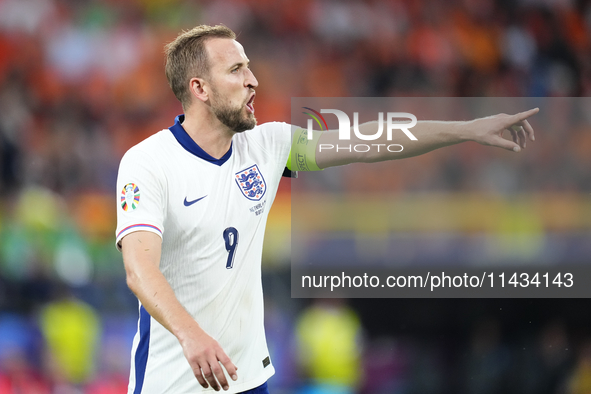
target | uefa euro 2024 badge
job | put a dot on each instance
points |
(130, 196)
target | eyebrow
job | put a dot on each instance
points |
(240, 64)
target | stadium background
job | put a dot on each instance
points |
(82, 81)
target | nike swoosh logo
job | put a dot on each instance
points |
(189, 203)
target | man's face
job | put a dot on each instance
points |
(231, 84)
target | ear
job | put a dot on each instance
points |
(196, 86)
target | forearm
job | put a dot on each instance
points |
(151, 287)
(141, 256)
(430, 135)
(157, 297)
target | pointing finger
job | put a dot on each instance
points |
(524, 115)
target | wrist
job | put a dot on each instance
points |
(463, 131)
(186, 330)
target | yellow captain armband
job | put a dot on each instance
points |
(302, 156)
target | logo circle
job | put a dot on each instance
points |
(130, 197)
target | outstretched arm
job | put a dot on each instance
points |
(141, 256)
(430, 135)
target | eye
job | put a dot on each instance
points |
(235, 70)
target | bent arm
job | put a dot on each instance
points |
(141, 257)
(430, 135)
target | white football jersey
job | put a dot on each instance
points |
(211, 214)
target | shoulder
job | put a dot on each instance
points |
(152, 147)
(150, 157)
(267, 133)
(273, 127)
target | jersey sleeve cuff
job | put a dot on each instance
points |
(287, 173)
(136, 227)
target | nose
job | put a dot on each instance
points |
(250, 81)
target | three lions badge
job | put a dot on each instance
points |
(251, 183)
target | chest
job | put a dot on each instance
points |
(207, 199)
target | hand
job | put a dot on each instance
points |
(489, 130)
(205, 355)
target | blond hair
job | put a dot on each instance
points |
(186, 58)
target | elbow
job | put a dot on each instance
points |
(132, 281)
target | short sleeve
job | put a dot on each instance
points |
(141, 195)
(274, 138)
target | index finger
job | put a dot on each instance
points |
(524, 115)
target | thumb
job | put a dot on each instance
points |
(506, 144)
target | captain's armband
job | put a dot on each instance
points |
(303, 151)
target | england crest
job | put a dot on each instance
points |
(251, 183)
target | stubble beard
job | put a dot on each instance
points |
(232, 117)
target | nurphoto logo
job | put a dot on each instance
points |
(402, 121)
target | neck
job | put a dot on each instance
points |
(207, 131)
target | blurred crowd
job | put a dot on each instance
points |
(81, 81)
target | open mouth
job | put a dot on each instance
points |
(250, 104)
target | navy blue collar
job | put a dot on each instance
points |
(191, 146)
